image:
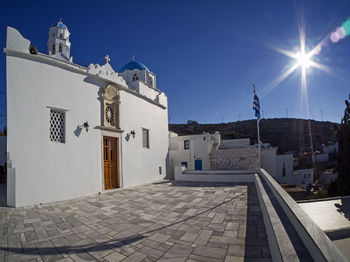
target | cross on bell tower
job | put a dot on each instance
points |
(107, 59)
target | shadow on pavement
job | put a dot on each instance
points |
(344, 207)
(2, 194)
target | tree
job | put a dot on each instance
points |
(342, 185)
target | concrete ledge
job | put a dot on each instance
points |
(270, 219)
(318, 244)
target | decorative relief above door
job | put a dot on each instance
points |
(111, 101)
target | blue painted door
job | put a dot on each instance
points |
(198, 164)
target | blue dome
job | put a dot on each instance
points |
(60, 25)
(133, 65)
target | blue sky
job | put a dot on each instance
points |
(206, 54)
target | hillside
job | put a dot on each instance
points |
(289, 134)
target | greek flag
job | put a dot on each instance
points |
(256, 104)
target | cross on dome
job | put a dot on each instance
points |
(107, 59)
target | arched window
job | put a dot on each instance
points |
(135, 78)
(53, 49)
(151, 81)
(60, 48)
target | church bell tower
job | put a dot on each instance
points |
(58, 44)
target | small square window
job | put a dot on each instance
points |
(187, 144)
(145, 138)
(57, 126)
(184, 164)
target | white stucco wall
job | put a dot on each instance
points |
(48, 171)
(303, 176)
(268, 160)
(200, 148)
(141, 165)
(287, 159)
(44, 171)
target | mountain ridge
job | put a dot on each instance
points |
(288, 134)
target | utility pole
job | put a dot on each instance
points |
(239, 117)
(287, 111)
(322, 114)
(262, 113)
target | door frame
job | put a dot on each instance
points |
(109, 134)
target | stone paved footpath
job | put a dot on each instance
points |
(154, 222)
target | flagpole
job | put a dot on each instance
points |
(259, 146)
(256, 107)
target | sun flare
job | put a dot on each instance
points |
(304, 60)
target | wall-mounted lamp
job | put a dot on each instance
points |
(86, 126)
(133, 133)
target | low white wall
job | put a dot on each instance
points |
(11, 187)
(231, 176)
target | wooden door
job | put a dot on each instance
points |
(110, 156)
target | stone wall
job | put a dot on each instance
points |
(235, 158)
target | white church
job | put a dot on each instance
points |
(75, 131)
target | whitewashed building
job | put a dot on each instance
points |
(75, 131)
(192, 151)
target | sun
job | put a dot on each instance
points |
(303, 59)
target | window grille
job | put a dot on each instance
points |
(57, 126)
(145, 138)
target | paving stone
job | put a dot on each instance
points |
(173, 259)
(203, 237)
(218, 218)
(190, 237)
(234, 259)
(81, 256)
(194, 257)
(114, 257)
(165, 222)
(160, 237)
(236, 250)
(99, 251)
(135, 257)
(211, 252)
(151, 252)
(179, 250)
